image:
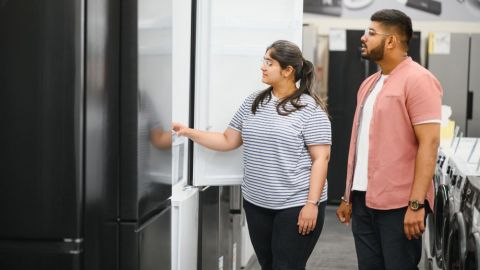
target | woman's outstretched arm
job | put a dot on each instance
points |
(228, 140)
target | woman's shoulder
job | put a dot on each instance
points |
(252, 96)
(308, 101)
(255, 93)
(311, 105)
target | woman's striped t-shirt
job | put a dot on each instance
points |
(277, 164)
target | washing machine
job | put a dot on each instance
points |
(447, 194)
(471, 211)
(447, 201)
(455, 257)
(438, 222)
(436, 219)
(450, 200)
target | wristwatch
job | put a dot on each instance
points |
(317, 203)
(415, 205)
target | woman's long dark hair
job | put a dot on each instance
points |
(288, 54)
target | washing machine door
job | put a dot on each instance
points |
(449, 211)
(440, 218)
(431, 233)
(457, 243)
(473, 252)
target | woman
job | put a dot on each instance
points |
(286, 136)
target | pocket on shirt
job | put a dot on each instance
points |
(387, 101)
(394, 96)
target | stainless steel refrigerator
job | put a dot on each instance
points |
(453, 59)
(82, 185)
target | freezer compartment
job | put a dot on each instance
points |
(208, 256)
(101, 246)
(146, 246)
(220, 232)
(36, 255)
(230, 230)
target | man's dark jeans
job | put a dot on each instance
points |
(380, 241)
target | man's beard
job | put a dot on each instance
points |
(376, 54)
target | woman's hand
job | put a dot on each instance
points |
(180, 130)
(307, 219)
(217, 141)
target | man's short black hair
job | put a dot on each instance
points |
(397, 19)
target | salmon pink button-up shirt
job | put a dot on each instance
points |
(410, 95)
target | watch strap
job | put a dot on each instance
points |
(415, 205)
(314, 202)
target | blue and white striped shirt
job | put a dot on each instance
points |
(277, 164)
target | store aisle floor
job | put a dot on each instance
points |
(335, 250)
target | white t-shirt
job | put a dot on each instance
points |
(360, 175)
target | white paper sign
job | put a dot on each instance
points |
(337, 40)
(439, 43)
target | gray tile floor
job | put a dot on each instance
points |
(335, 250)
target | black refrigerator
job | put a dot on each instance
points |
(80, 187)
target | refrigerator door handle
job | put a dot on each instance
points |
(153, 218)
(469, 105)
(64, 246)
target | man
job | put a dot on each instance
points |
(393, 148)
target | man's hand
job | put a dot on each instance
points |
(414, 223)
(344, 212)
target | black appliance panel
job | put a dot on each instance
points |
(209, 228)
(441, 218)
(41, 101)
(431, 6)
(39, 260)
(102, 30)
(333, 8)
(472, 261)
(146, 246)
(346, 72)
(457, 243)
(142, 194)
(414, 46)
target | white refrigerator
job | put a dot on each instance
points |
(227, 41)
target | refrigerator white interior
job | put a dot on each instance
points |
(231, 40)
(184, 228)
